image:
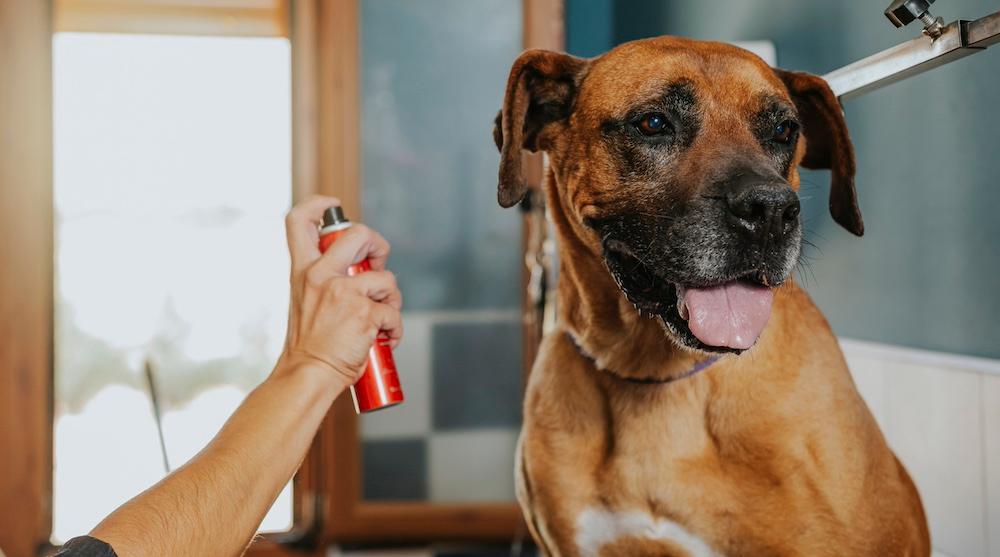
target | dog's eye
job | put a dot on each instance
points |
(785, 132)
(654, 123)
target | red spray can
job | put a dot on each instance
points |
(379, 385)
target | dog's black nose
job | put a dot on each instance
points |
(765, 209)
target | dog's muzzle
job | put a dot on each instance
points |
(709, 275)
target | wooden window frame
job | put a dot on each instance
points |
(249, 18)
(26, 288)
(326, 158)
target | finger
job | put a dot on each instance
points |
(379, 253)
(388, 321)
(355, 245)
(302, 229)
(379, 286)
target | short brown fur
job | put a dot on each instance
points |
(772, 452)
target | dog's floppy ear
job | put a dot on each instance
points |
(540, 90)
(828, 144)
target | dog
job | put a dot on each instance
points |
(692, 400)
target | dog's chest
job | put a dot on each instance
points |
(600, 531)
(661, 484)
(643, 489)
(649, 504)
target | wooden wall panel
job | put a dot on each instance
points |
(26, 232)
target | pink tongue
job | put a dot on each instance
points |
(731, 314)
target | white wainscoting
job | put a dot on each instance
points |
(941, 415)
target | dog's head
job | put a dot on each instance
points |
(676, 163)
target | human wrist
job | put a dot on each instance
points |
(317, 373)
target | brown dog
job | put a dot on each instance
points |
(692, 400)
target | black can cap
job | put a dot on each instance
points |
(334, 215)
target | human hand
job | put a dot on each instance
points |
(334, 318)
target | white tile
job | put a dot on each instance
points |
(869, 377)
(991, 407)
(934, 423)
(472, 465)
(413, 360)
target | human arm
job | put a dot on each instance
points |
(213, 504)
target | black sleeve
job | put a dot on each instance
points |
(86, 546)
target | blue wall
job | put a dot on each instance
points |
(927, 272)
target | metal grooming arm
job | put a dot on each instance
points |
(956, 40)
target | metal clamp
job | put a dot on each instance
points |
(902, 12)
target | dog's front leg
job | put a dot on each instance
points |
(551, 495)
(562, 444)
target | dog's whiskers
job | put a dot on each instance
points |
(804, 262)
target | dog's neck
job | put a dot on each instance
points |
(603, 323)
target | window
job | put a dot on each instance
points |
(172, 167)
(172, 174)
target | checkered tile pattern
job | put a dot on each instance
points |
(454, 437)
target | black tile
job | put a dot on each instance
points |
(395, 469)
(477, 375)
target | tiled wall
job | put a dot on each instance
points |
(941, 415)
(454, 437)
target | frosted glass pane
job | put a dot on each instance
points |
(433, 74)
(433, 78)
(172, 176)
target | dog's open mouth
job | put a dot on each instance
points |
(727, 316)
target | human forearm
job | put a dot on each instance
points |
(213, 504)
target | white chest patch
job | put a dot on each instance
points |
(597, 527)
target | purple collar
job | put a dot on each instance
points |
(699, 366)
